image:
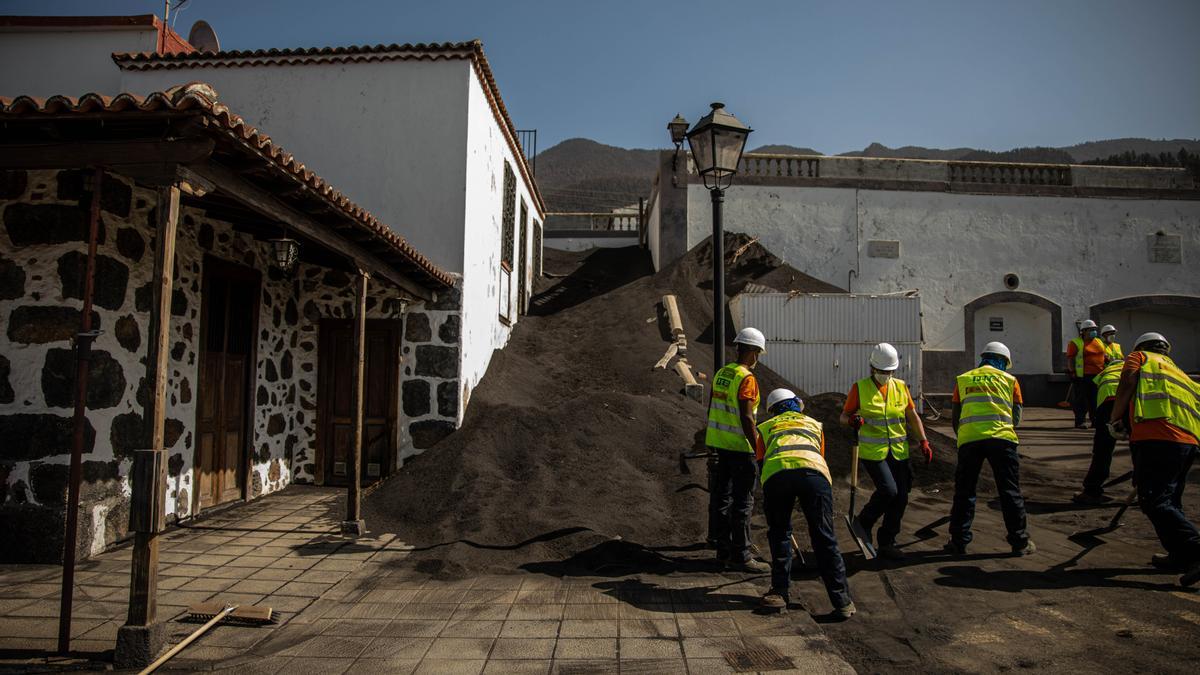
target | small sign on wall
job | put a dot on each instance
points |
(996, 324)
(883, 248)
(1166, 248)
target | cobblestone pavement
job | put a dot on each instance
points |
(357, 606)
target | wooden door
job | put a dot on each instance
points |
(335, 382)
(228, 326)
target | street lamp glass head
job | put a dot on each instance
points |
(717, 142)
(678, 128)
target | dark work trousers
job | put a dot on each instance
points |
(1085, 398)
(1002, 455)
(1160, 470)
(1103, 445)
(730, 502)
(812, 491)
(893, 480)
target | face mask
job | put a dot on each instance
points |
(882, 378)
(1091, 335)
(1109, 338)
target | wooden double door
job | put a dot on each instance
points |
(228, 324)
(335, 387)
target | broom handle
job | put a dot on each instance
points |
(853, 472)
(188, 640)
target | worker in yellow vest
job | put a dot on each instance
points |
(733, 437)
(1086, 356)
(987, 409)
(1108, 335)
(794, 470)
(882, 411)
(1103, 443)
(1159, 406)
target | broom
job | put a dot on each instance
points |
(1066, 403)
(213, 613)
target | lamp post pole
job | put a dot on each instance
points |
(718, 247)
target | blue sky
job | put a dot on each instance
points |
(834, 76)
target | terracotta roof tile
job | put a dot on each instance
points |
(202, 98)
(472, 50)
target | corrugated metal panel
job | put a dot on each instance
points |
(822, 342)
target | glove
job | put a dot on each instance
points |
(1118, 431)
(927, 450)
(857, 421)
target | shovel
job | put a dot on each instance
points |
(860, 538)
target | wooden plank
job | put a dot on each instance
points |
(237, 187)
(143, 586)
(673, 319)
(354, 490)
(107, 153)
(672, 349)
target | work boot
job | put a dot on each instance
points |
(750, 566)
(843, 613)
(1191, 576)
(891, 552)
(774, 599)
(954, 548)
(1091, 498)
(1028, 548)
(1167, 562)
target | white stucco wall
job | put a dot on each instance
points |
(955, 248)
(1024, 332)
(389, 135)
(584, 242)
(69, 62)
(487, 150)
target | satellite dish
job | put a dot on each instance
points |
(203, 38)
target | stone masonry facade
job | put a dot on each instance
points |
(43, 247)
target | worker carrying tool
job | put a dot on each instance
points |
(733, 437)
(1158, 405)
(1108, 335)
(1086, 356)
(794, 471)
(882, 411)
(1103, 442)
(987, 410)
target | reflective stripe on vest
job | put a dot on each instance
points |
(1107, 381)
(986, 397)
(724, 419)
(1165, 392)
(883, 428)
(793, 442)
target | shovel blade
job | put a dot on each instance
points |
(867, 550)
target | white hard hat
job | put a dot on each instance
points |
(1151, 337)
(885, 357)
(1086, 324)
(782, 395)
(752, 337)
(1108, 328)
(997, 348)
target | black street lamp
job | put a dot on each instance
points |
(717, 142)
(678, 128)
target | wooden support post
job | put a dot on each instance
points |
(141, 638)
(83, 347)
(353, 524)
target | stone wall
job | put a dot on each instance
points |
(42, 252)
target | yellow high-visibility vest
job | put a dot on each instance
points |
(884, 428)
(724, 419)
(794, 441)
(1164, 392)
(1107, 381)
(986, 396)
(1078, 342)
(1113, 350)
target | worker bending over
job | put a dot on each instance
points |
(794, 470)
(1086, 356)
(1103, 442)
(1108, 335)
(881, 410)
(987, 409)
(1159, 406)
(731, 434)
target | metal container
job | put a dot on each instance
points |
(821, 342)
